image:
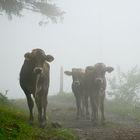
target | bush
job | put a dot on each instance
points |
(3, 98)
(125, 86)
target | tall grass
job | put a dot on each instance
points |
(14, 126)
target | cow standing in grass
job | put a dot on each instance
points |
(34, 79)
(78, 88)
(96, 85)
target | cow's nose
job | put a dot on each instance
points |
(76, 83)
(37, 70)
(99, 80)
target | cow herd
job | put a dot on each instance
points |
(88, 84)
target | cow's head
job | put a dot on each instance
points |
(76, 74)
(99, 71)
(38, 57)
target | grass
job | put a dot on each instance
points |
(14, 126)
(122, 108)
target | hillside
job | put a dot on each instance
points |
(122, 121)
(14, 126)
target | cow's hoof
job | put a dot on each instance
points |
(103, 122)
(92, 119)
(56, 124)
(94, 123)
(42, 125)
(87, 117)
(31, 122)
(82, 115)
(77, 118)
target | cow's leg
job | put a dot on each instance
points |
(95, 108)
(40, 109)
(45, 108)
(86, 106)
(78, 107)
(102, 110)
(92, 108)
(45, 102)
(95, 112)
(82, 106)
(30, 105)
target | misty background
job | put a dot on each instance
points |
(92, 31)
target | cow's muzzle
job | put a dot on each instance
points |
(76, 83)
(99, 81)
(38, 70)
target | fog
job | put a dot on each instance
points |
(92, 31)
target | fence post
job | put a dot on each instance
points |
(61, 80)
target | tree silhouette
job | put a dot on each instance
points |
(47, 9)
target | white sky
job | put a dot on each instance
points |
(92, 31)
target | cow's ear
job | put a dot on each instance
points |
(109, 69)
(69, 73)
(49, 58)
(27, 56)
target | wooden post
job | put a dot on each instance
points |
(61, 80)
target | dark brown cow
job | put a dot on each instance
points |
(78, 90)
(96, 86)
(34, 79)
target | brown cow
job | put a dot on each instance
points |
(34, 79)
(96, 86)
(78, 88)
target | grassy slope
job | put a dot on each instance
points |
(13, 125)
(13, 122)
(122, 108)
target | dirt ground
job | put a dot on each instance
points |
(117, 127)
